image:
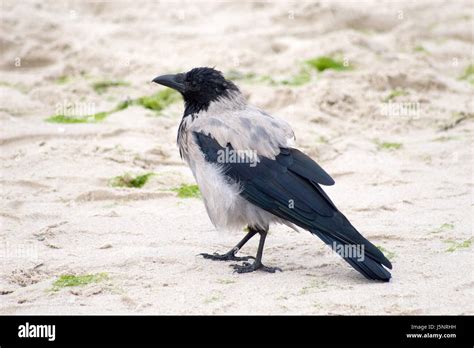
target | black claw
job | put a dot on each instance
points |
(248, 267)
(230, 256)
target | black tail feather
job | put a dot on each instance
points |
(365, 264)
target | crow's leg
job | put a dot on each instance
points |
(230, 256)
(247, 267)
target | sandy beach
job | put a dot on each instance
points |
(393, 126)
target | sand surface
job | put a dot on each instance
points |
(59, 214)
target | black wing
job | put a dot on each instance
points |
(288, 187)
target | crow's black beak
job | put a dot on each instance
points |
(172, 81)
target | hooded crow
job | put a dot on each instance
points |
(250, 174)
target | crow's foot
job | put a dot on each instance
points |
(248, 267)
(230, 256)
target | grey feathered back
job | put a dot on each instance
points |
(247, 128)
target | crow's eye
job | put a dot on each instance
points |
(193, 85)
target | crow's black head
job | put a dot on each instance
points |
(199, 87)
